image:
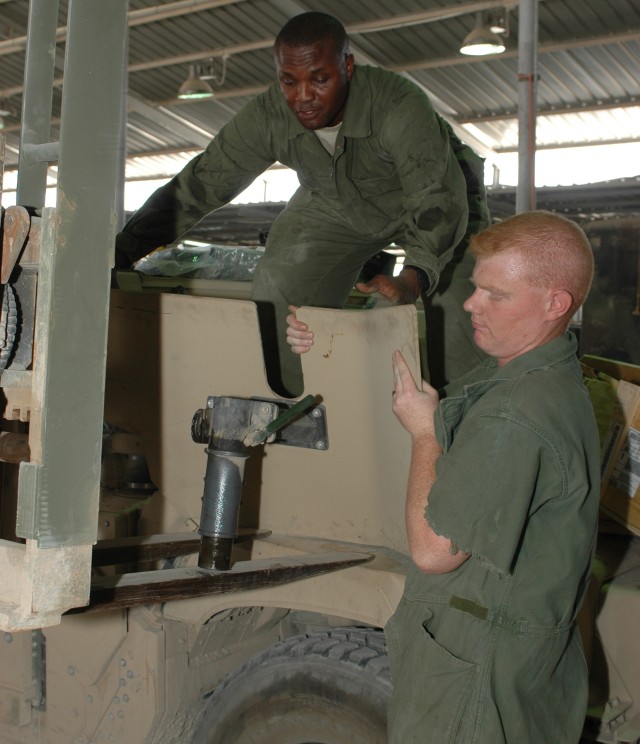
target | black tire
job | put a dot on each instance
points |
(327, 687)
(8, 324)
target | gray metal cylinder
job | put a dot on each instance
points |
(220, 508)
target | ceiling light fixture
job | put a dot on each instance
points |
(197, 86)
(482, 40)
(194, 88)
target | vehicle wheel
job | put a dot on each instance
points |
(8, 324)
(328, 687)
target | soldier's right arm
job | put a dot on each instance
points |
(230, 163)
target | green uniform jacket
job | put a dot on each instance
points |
(398, 175)
(489, 653)
(394, 171)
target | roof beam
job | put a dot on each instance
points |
(434, 64)
(566, 145)
(186, 7)
(603, 105)
(134, 18)
(554, 46)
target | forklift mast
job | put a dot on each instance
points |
(56, 266)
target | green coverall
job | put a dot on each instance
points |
(489, 653)
(398, 175)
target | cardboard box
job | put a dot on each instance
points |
(620, 485)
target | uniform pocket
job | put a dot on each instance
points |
(369, 187)
(432, 686)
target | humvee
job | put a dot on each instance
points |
(186, 556)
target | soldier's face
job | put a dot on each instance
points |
(509, 315)
(314, 79)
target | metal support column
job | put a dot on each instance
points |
(58, 487)
(36, 101)
(527, 110)
(122, 140)
(59, 503)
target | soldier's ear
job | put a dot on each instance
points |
(349, 65)
(560, 303)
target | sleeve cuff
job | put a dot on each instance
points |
(423, 278)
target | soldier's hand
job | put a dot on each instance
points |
(399, 290)
(413, 404)
(299, 337)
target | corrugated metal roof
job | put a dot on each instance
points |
(588, 86)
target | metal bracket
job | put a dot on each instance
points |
(308, 429)
(257, 423)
